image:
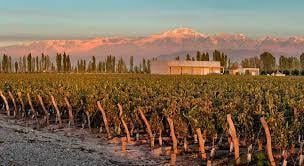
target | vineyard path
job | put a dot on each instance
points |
(21, 145)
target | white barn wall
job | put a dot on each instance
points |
(185, 67)
(159, 67)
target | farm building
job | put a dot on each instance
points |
(245, 71)
(278, 74)
(186, 67)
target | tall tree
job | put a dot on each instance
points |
(42, 62)
(121, 66)
(29, 62)
(24, 63)
(302, 60)
(205, 56)
(93, 64)
(253, 62)
(20, 65)
(149, 66)
(59, 62)
(188, 58)
(69, 65)
(5, 63)
(64, 62)
(131, 64)
(37, 64)
(267, 62)
(10, 68)
(16, 67)
(48, 63)
(219, 56)
(198, 56)
(33, 64)
(283, 63)
(144, 66)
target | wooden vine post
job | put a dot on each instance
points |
(57, 111)
(46, 114)
(6, 104)
(172, 133)
(235, 139)
(22, 103)
(104, 118)
(268, 143)
(124, 123)
(148, 127)
(70, 112)
(201, 142)
(14, 102)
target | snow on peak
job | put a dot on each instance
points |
(176, 35)
(181, 33)
(227, 36)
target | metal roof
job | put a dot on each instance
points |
(195, 63)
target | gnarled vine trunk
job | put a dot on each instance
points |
(301, 158)
(22, 103)
(235, 139)
(173, 159)
(105, 120)
(172, 133)
(31, 105)
(124, 123)
(70, 112)
(249, 153)
(6, 104)
(123, 144)
(14, 102)
(89, 119)
(46, 114)
(201, 142)
(268, 139)
(148, 127)
(186, 146)
(160, 138)
(57, 111)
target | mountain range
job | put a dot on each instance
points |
(166, 45)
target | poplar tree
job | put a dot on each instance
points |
(29, 63)
(93, 64)
(64, 62)
(58, 62)
(198, 56)
(16, 67)
(131, 64)
(302, 61)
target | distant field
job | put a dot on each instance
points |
(193, 111)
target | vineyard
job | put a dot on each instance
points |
(218, 120)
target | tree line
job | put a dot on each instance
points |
(268, 64)
(204, 56)
(63, 64)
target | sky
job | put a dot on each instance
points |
(26, 20)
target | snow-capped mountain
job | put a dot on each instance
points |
(173, 42)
